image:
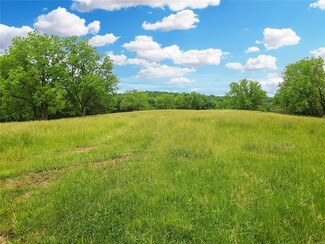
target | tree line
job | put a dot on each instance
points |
(48, 77)
(302, 92)
(147, 100)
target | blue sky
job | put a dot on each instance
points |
(181, 45)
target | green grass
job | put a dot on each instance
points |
(164, 177)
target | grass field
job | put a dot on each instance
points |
(164, 177)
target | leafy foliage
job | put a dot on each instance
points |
(134, 101)
(165, 101)
(193, 100)
(303, 89)
(246, 95)
(32, 72)
(44, 76)
(88, 79)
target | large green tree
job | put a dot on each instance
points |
(89, 80)
(245, 95)
(31, 73)
(44, 75)
(303, 88)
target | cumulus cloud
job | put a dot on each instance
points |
(149, 50)
(199, 57)
(94, 27)
(276, 38)
(234, 66)
(180, 80)
(262, 62)
(252, 50)
(140, 62)
(182, 20)
(124, 60)
(320, 52)
(7, 33)
(319, 4)
(271, 83)
(88, 5)
(99, 41)
(63, 23)
(118, 59)
(160, 71)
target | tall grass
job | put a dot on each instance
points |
(164, 177)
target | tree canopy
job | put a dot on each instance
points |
(246, 95)
(134, 101)
(44, 75)
(303, 89)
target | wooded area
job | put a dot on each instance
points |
(48, 77)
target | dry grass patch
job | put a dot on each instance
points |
(45, 177)
(82, 149)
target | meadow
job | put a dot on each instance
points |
(169, 176)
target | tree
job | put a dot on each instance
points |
(165, 101)
(303, 89)
(246, 95)
(182, 101)
(89, 80)
(134, 101)
(31, 73)
(197, 100)
(191, 100)
(46, 75)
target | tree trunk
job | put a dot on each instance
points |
(44, 113)
(83, 112)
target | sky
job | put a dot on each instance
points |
(181, 45)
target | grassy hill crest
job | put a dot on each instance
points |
(164, 176)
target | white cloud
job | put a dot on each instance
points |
(63, 23)
(124, 60)
(271, 83)
(99, 41)
(94, 27)
(7, 33)
(276, 38)
(182, 20)
(180, 80)
(147, 49)
(160, 71)
(320, 52)
(234, 66)
(262, 62)
(319, 4)
(118, 59)
(88, 5)
(140, 62)
(199, 57)
(252, 50)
